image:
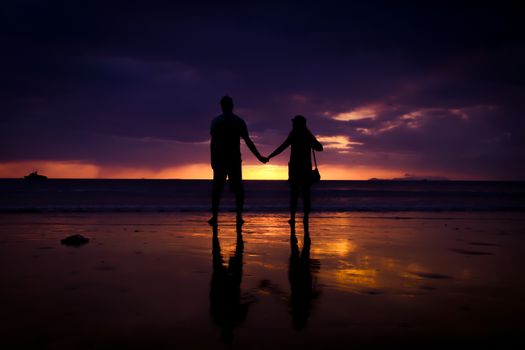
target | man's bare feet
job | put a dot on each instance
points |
(240, 220)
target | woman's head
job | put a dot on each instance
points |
(299, 122)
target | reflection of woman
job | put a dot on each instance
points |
(302, 142)
(303, 283)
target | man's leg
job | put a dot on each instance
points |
(239, 202)
(235, 177)
(219, 178)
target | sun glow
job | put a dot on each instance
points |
(265, 172)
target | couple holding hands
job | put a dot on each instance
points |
(226, 131)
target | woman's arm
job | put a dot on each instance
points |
(282, 147)
(316, 145)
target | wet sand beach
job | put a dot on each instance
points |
(166, 280)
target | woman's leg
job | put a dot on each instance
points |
(294, 195)
(306, 200)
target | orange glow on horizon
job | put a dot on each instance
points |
(265, 172)
(52, 169)
(79, 169)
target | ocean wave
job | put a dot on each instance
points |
(135, 196)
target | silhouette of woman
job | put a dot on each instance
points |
(303, 280)
(302, 142)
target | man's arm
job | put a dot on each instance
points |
(251, 145)
(213, 146)
(212, 152)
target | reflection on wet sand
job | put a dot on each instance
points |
(303, 279)
(228, 307)
(384, 281)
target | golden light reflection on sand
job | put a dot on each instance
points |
(410, 271)
(364, 273)
(340, 247)
(356, 277)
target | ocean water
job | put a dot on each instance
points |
(74, 195)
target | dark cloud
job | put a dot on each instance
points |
(136, 82)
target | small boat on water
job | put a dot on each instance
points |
(35, 176)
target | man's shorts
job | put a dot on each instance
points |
(231, 171)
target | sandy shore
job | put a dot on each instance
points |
(163, 281)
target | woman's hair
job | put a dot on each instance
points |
(299, 123)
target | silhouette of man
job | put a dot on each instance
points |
(228, 305)
(226, 131)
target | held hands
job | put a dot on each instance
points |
(263, 159)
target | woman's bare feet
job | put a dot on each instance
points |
(213, 220)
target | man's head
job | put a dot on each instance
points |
(227, 104)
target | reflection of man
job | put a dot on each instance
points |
(228, 307)
(226, 132)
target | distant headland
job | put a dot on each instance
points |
(410, 177)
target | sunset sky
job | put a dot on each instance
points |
(127, 89)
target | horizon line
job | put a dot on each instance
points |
(183, 179)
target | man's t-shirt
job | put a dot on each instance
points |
(226, 132)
